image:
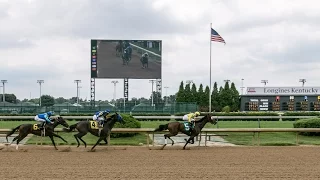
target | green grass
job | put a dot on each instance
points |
(266, 139)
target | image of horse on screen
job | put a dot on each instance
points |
(134, 59)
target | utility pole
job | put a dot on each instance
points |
(242, 87)
(303, 81)
(152, 82)
(114, 90)
(77, 82)
(3, 90)
(40, 82)
(166, 87)
(264, 81)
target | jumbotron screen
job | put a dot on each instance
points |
(132, 59)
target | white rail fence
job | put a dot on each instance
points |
(207, 132)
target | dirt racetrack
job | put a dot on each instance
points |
(42, 162)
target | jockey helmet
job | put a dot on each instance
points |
(107, 111)
(197, 113)
(50, 113)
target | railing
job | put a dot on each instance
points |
(206, 132)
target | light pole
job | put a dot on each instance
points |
(3, 90)
(152, 82)
(264, 81)
(189, 81)
(226, 80)
(242, 86)
(0, 88)
(77, 82)
(114, 90)
(40, 82)
(303, 81)
(166, 87)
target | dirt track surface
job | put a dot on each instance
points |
(111, 66)
(39, 162)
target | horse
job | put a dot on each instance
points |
(176, 127)
(119, 48)
(25, 129)
(84, 127)
(144, 61)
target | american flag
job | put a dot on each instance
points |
(216, 37)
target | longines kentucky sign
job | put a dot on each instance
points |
(283, 90)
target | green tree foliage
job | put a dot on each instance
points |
(47, 100)
(201, 96)
(215, 98)
(194, 94)
(181, 97)
(235, 98)
(187, 91)
(11, 98)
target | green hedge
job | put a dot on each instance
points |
(130, 122)
(308, 123)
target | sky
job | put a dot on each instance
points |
(276, 40)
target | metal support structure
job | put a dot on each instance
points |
(159, 86)
(40, 82)
(114, 90)
(126, 89)
(242, 87)
(166, 95)
(3, 90)
(152, 82)
(93, 92)
(77, 81)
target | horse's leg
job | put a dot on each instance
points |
(52, 140)
(79, 136)
(99, 140)
(20, 138)
(168, 136)
(56, 135)
(184, 147)
(105, 140)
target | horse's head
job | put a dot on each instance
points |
(61, 121)
(211, 119)
(117, 117)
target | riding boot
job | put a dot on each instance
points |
(42, 125)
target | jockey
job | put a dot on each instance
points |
(190, 118)
(44, 117)
(99, 116)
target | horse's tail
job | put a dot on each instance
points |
(12, 131)
(162, 127)
(71, 128)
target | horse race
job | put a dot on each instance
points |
(159, 90)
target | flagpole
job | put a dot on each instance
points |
(210, 73)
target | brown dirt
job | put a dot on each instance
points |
(42, 162)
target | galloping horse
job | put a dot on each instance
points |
(176, 127)
(84, 127)
(144, 61)
(119, 48)
(25, 129)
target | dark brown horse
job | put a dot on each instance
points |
(25, 129)
(84, 127)
(176, 127)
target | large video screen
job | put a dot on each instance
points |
(132, 59)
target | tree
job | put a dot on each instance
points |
(206, 97)
(47, 100)
(11, 98)
(215, 98)
(157, 100)
(200, 96)
(225, 96)
(194, 94)
(235, 98)
(181, 94)
(188, 95)
(60, 100)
